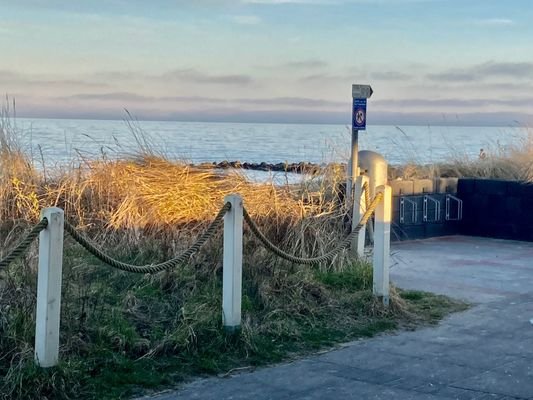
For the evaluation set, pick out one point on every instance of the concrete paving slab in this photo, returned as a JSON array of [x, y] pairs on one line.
[[301, 376], [364, 357], [484, 353], [470, 268], [230, 388], [435, 370], [514, 379], [362, 390], [465, 394]]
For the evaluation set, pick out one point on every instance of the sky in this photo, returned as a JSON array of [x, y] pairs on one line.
[[445, 62]]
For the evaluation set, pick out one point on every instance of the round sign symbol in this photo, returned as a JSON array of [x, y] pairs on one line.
[[360, 117]]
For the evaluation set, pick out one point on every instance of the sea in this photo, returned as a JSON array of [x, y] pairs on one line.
[[61, 141]]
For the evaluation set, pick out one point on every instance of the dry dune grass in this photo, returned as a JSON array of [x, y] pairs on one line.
[[513, 162], [146, 193], [18, 178], [510, 162], [153, 191]]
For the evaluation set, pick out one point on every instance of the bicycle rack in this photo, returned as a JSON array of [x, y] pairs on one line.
[[414, 208], [459, 215], [436, 202]]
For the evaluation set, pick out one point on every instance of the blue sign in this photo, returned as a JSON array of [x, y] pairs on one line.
[[359, 114]]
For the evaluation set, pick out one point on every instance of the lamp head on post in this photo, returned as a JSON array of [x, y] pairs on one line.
[[362, 91]]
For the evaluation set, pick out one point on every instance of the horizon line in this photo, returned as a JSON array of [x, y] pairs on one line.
[[348, 124]]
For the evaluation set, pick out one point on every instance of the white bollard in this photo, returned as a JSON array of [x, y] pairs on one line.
[[382, 244], [49, 288], [232, 265], [359, 208]]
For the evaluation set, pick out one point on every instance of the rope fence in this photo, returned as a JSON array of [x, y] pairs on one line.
[[151, 268], [320, 259], [232, 215], [24, 245]]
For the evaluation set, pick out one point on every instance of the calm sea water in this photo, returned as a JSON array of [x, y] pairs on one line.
[[60, 141]]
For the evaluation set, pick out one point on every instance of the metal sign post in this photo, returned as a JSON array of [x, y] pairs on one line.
[[359, 95]]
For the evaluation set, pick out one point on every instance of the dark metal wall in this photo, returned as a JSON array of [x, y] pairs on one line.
[[496, 208]]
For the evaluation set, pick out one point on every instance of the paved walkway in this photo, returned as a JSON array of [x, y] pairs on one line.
[[483, 353]]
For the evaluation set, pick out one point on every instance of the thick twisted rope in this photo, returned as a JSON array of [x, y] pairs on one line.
[[25, 244], [315, 260], [366, 191], [151, 268], [370, 227]]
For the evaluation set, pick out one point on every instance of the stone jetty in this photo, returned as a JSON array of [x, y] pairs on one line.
[[300, 167]]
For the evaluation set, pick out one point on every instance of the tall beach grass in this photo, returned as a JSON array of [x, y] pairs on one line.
[[513, 161]]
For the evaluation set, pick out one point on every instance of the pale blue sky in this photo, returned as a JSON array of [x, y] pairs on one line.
[[429, 61]]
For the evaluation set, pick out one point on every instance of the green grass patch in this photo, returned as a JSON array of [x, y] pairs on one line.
[[430, 307]]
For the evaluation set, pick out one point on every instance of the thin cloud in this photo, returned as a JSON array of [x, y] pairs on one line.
[[455, 102], [494, 22], [196, 76], [312, 63], [357, 74], [294, 102], [274, 2], [390, 76], [509, 69], [9, 77], [335, 2], [115, 96], [245, 19], [323, 78], [485, 71], [116, 75], [454, 76], [190, 75], [276, 102]]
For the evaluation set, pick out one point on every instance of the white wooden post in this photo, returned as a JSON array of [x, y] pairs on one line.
[[49, 288], [382, 244], [232, 265], [359, 208]]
